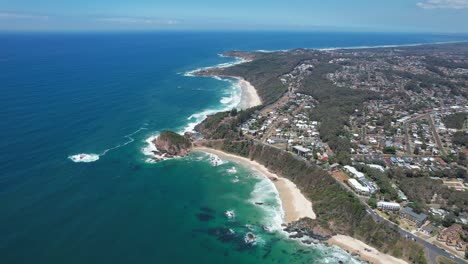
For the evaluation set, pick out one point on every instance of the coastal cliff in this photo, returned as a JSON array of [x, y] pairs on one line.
[[171, 144], [338, 212]]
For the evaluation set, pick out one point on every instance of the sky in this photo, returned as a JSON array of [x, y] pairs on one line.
[[449, 16]]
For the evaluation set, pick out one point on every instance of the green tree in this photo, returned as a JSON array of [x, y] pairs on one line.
[[416, 151], [234, 112], [389, 150]]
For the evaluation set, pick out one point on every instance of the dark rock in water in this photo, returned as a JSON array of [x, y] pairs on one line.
[[222, 234], [298, 235], [308, 227], [207, 210], [205, 217], [258, 203]]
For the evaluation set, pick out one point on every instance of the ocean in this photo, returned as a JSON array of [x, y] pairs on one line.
[[105, 94]]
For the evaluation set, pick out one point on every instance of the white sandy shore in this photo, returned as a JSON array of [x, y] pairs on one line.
[[295, 205], [364, 251], [249, 95]]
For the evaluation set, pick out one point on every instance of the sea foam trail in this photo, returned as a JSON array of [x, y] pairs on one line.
[[92, 157]]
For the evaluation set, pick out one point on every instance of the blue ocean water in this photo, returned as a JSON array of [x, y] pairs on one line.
[[106, 93]]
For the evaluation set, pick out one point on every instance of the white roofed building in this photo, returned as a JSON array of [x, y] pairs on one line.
[[357, 187], [355, 173], [388, 206]]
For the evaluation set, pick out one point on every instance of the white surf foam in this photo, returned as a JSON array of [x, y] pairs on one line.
[[215, 160], [226, 100], [231, 100], [221, 65], [232, 170], [150, 149], [83, 157], [265, 192], [230, 214], [92, 157]]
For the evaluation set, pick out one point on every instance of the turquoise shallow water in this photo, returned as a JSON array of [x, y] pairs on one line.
[[64, 94]]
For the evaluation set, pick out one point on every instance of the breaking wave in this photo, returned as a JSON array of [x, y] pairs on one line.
[[266, 194]]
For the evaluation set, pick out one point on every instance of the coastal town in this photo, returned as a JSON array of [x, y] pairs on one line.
[[385, 134], [401, 150]]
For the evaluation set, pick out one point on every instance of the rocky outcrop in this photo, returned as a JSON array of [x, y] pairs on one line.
[[308, 227], [171, 144]]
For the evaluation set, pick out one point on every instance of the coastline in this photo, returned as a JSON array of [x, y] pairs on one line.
[[364, 251], [249, 95], [294, 204], [369, 47]]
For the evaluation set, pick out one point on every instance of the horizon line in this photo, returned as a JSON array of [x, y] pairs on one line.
[[226, 31]]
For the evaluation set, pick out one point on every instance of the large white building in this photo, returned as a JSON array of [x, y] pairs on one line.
[[388, 206], [356, 186], [355, 173]]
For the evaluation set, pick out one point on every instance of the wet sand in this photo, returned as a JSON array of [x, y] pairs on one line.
[[295, 205]]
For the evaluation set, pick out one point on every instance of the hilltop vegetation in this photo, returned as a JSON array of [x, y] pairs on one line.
[[173, 144], [455, 121], [337, 210], [265, 71]]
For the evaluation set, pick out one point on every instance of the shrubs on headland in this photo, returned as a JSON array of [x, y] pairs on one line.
[[173, 144]]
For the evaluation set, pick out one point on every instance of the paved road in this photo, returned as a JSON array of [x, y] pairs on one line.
[[436, 135], [432, 251], [407, 143], [405, 128], [434, 132]]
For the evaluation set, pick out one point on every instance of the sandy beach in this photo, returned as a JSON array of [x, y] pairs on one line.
[[249, 96], [364, 251], [295, 205]]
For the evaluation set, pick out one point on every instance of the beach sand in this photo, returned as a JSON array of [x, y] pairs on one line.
[[249, 96], [295, 205], [364, 251]]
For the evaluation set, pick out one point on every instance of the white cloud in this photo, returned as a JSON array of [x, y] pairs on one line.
[[137, 21], [4, 15], [443, 4]]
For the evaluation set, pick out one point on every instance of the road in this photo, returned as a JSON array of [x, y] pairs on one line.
[[432, 251], [436, 136], [407, 143]]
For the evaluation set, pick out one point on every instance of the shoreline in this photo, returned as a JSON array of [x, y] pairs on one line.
[[368, 47], [249, 95], [364, 251], [294, 204]]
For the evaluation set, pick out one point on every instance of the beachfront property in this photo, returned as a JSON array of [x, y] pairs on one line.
[[301, 151], [361, 180], [415, 218], [354, 172], [358, 187], [388, 206]]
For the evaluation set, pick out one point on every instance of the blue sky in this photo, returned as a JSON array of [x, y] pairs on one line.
[[341, 15]]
